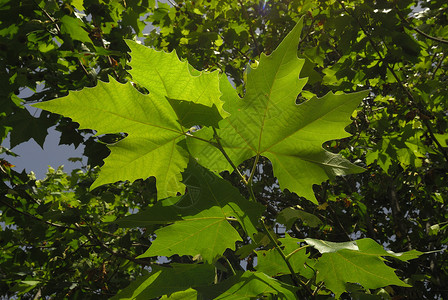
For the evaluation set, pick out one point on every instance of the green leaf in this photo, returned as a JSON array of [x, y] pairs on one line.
[[361, 264], [189, 294], [329, 247], [201, 217], [442, 139], [74, 27], [164, 75], [206, 236], [150, 149], [369, 246], [248, 285], [289, 215], [191, 114], [164, 281], [268, 122], [271, 263]]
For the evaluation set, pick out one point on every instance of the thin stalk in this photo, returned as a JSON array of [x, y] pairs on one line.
[[251, 177], [251, 30], [295, 251], [221, 148], [230, 265], [409, 25], [280, 251]]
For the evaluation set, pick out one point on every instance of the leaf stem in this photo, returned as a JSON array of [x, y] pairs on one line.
[[221, 148], [251, 177], [230, 265], [295, 251], [280, 251]]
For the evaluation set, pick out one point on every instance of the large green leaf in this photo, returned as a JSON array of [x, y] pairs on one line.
[[247, 285], [74, 28], [271, 262], [150, 149], [164, 281], [362, 264], [164, 75], [289, 215], [268, 122], [200, 218]]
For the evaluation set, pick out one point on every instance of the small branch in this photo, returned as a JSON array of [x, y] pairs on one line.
[[49, 17], [294, 277], [308, 32], [94, 238], [439, 64], [251, 177], [251, 31], [221, 148], [409, 25], [38, 219], [230, 265], [295, 251]]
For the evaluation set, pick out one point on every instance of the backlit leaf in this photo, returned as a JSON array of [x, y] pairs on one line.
[[268, 122], [248, 285], [150, 149], [163, 281], [200, 218]]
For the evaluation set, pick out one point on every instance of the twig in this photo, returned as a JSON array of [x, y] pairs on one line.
[[230, 265], [251, 31], [221, 148], [439, 64], [39, 219], [294, 277], [95, 238], [409, 25]]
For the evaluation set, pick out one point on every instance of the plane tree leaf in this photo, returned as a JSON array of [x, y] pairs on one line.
[[206, 237], [328, 247], [267, 122], [271, 263], [164, 75], [191, 114], [199, 219], [289, 215], [248, 285], [163, 281], [355, 262], [150, 149]]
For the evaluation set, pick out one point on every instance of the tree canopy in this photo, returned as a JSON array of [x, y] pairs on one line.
[[236, 149]]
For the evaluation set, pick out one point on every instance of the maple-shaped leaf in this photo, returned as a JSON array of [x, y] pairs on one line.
[[163, 281], [248, 285], [355, 262], [200, 219], [272, 263], [267, 122], [289, 215], [164, 75], [150, 148]]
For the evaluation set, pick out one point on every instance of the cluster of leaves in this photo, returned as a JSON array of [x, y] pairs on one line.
[[189, 118], [395, 49], [57, 239]]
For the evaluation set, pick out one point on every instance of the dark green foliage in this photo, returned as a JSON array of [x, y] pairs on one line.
[[56, 240]]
